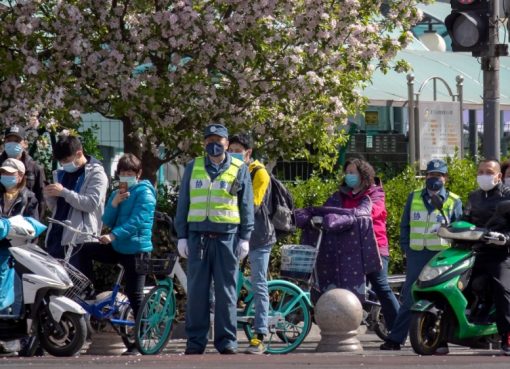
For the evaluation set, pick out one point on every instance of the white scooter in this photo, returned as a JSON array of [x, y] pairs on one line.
[[37, 307]]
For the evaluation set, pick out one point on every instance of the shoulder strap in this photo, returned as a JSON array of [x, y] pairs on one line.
[[255, 170]]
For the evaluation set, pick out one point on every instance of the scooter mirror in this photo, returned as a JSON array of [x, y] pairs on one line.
[[503, 208]]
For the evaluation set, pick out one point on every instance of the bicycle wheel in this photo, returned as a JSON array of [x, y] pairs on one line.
[[127, 333], [289, 319], [154, 320]]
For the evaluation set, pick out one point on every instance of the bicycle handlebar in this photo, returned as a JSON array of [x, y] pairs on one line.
[[71, 228]]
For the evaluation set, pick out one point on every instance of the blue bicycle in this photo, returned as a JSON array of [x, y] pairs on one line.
[[108, 308]]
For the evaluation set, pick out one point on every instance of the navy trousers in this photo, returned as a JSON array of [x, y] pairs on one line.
[[212, 258]]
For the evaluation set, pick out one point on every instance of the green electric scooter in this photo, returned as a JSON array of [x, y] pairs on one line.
[[451, 304]]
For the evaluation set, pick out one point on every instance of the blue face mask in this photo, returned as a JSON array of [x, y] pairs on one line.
[[237, 155], [352, 180], [13, 149], [70, 167], [215, 149], [130, 180], [8, 181]]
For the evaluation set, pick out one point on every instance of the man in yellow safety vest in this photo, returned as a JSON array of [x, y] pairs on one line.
[[214, 222], [419, 241]]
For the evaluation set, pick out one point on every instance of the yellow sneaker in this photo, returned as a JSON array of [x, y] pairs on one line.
[[256, 347]]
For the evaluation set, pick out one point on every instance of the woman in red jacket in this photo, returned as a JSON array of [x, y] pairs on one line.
[[359, 182]]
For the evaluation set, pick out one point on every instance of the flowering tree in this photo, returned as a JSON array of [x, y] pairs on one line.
[[289, 71]]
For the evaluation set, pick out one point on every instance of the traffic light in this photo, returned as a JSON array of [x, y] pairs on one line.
[[468, 25]]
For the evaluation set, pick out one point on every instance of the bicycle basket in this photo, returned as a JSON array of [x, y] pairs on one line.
[[297, 261], [80, 281], [161, 267]]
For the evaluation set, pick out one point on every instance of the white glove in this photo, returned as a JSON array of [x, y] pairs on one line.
[[495, 238], [243, 247], [21, 228], [182, 247]]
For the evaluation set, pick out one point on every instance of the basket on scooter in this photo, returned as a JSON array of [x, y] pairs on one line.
[[297, 261], [80, 281]]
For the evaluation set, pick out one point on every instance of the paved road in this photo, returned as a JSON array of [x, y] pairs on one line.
[[303, 358]]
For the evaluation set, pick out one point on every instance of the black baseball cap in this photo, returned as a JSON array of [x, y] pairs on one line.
[[15, 131]]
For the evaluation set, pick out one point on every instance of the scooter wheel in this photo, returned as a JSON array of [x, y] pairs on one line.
[[69, 340], [426, 333]]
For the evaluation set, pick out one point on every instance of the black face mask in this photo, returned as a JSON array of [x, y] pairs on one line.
[[215, 149], [434, 184]]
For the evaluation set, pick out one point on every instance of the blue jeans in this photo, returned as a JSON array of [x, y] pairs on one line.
[[259, 261], [389, 303], [416, 260]]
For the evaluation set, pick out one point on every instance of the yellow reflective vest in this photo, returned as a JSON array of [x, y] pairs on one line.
[[212, 199], [424, 225]]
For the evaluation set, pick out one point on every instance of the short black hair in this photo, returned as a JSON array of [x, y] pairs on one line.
[[242, 139], [491, 160], [129, 162], [66, 146]]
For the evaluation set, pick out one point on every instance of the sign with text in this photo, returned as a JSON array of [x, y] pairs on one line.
[[440, 130]]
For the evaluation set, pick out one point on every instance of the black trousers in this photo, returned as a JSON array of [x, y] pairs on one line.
[[497, 265], [106, 254]]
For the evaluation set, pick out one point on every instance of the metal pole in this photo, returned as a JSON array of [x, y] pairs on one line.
[[504, 141], [460, 97], [490, 67], [410, 105], [473, 135]]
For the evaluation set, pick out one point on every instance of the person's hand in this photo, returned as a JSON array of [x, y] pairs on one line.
[[53, 190], [106, 238], [495, 238], [182, 247], [119, 197], [243, 247]]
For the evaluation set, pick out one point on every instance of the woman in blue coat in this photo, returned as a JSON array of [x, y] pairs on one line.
[[129, 214]]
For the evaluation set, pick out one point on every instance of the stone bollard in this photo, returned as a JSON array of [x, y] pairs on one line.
[[338, 314]]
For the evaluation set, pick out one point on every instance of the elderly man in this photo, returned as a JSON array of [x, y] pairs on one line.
[[214, 222]]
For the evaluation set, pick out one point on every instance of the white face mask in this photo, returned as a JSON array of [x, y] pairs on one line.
[[507, 181], [486, 182]]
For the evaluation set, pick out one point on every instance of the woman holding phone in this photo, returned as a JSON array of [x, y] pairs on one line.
[[129, 214]]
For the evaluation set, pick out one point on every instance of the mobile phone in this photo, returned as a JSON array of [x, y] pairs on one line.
[[123, 187]]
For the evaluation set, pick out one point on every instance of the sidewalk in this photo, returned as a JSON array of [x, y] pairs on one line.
[[369, 341]]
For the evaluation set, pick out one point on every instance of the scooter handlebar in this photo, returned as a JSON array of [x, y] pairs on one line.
[[67, 224]]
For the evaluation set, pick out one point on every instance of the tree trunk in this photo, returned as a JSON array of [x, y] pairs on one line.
[[150, 162]]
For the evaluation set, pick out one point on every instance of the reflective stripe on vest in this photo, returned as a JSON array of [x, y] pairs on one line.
[[424, 226], [211, 199]]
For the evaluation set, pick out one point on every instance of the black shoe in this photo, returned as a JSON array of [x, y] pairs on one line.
[[132, 351], [505, 344], [390, 346], [189, 351], [228, 351]]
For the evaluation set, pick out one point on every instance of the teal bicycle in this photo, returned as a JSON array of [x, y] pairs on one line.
[[289, 316], [289, 309]]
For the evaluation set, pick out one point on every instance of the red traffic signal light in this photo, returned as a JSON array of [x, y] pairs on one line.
[[468, 25]]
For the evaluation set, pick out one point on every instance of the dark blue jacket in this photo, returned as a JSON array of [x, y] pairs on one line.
[[244, 196], [131, 221]]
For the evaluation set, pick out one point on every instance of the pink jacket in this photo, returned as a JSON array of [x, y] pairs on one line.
[[379, 214]]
